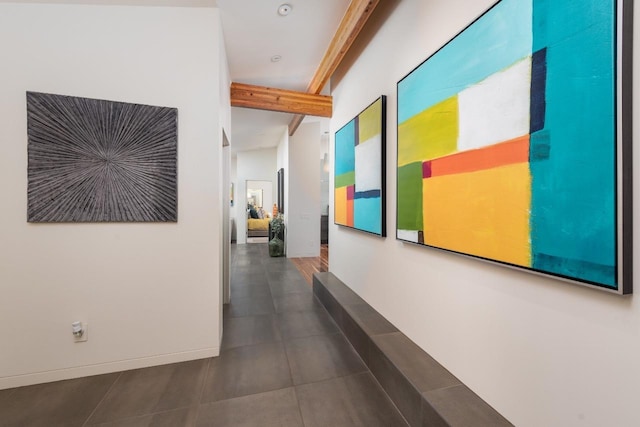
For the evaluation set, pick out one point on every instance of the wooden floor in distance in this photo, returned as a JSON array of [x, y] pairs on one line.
[[308, 266]]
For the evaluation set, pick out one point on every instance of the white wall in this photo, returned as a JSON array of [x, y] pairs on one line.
[[303, 206], [324, 173], [256, 165], [150, 292], [542, 352]]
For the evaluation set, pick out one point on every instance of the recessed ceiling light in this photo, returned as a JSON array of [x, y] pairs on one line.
[[284, 9], [276, 58]]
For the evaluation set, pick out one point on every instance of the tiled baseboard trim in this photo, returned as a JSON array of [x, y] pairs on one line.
[[422, 389]]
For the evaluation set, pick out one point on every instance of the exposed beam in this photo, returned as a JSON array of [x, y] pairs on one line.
[[285, 101], [354, 19], [295, 122]]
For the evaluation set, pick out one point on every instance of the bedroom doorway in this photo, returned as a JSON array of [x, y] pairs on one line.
[[259, 204]]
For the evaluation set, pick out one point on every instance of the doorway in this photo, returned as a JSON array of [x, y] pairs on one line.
[[259, 202]]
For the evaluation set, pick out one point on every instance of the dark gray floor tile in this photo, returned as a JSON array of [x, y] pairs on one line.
[[299, 301], [289, 286], [244, 262], [61, 403], [150, 390], [459, 406], [355, 400], [247, 370], [4, 396], [255, 268], [240, 331], [284, 275], [252, 248], [424, 372], [250, 306], [249, 289], [322, 357], [184, 417], [305, 323], [258, 278], [274, 408], [273, 265], [252, 258]]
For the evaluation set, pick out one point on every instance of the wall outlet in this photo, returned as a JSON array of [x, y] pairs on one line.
[[85, 334]]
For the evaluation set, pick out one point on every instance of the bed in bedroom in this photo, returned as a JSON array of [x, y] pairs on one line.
[[257, 222], [257, 227]]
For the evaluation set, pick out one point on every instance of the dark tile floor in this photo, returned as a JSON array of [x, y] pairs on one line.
[[283, 363]]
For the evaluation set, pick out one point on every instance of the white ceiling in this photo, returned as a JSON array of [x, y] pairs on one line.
[[171, 3], [254, 32]]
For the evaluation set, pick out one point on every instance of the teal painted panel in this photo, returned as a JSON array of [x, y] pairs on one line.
[[345, 158], [573, 218], [500, 38], [367, 214]]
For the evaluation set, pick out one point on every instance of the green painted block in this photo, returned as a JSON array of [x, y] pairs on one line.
[[345, 179], [410, 197]]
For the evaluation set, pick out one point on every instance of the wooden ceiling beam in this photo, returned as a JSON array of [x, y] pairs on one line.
[[353, 21], [282, 100]]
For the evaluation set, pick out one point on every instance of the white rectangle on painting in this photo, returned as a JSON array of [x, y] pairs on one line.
[[496, 109], [408, 235], [368, 173]]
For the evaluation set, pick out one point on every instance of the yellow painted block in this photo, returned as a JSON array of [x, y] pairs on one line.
[[430, 134], [484, 213], [341, 205], [369, 122]]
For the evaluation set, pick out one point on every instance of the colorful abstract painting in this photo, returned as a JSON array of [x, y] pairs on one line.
[[509, 142], [359, 196]]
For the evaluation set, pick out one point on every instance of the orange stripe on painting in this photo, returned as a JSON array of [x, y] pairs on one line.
[[341, 205], [505, 153], [350, 213]]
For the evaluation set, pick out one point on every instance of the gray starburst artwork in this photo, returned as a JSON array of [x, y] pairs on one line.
[[92, 160]]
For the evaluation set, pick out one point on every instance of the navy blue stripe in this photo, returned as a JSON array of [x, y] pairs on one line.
[[538, 90], [371, 194]]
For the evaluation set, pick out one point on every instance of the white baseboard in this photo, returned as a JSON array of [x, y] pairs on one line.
[[105, 368]]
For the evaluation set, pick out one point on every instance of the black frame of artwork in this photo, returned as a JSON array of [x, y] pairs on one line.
[[281, 190]]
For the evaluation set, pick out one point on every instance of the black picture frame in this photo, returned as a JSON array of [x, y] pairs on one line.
[[281, 190]]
